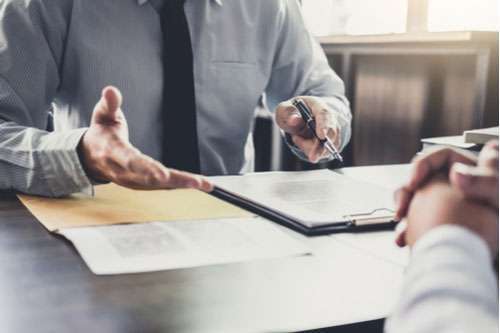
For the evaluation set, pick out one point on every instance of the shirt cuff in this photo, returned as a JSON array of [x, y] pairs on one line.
[[342, 115], [62, 169], [457, 236]]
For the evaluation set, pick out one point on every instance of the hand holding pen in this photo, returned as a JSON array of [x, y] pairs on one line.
[[311, 126], [308, 118]]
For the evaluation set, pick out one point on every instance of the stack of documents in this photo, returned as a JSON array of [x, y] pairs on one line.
[[126, 231], [154, 246], [115, 231]]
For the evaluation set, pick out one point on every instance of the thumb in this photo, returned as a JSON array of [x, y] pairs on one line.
[[108, 107], [488, 157], [476, 183], [289, 120], [401, 233]]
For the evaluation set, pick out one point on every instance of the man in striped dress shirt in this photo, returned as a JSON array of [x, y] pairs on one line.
[[140, 88]]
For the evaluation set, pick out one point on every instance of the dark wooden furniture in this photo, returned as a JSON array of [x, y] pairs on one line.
[[407, 86], [46, 287]]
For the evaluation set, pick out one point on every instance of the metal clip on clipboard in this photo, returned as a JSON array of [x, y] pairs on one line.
[[375, 217]]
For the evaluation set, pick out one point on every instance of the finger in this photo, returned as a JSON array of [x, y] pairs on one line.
[[334, 135], [289, 119], [322, 117], [143, 172], [493, 144], [427, 165], [318, 153], [180, 179], [306, 145], [206, 185], [476, 183], [326, 123], [113, 98], [488, 157], [107, 109], [403, 197], [323, 153], [311, 147], [401, 233], [160, 177]]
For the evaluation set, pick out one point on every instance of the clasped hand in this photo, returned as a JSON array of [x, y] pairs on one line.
[[449, 186]]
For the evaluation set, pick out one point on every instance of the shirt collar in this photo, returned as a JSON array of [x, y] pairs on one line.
[[142, 2]]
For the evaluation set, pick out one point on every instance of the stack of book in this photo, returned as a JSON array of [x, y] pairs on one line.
[[481, 136], [472, 140]]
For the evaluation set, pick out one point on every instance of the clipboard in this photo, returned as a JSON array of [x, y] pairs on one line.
[[371, 221], [232, 190]]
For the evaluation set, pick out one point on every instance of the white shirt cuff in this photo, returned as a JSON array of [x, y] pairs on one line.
[[457, 235], [62, 169]]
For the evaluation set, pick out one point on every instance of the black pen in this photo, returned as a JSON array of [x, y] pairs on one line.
[[311, 123]]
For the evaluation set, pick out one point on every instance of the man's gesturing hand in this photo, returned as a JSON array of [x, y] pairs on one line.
[[107, 155], [290, 121]]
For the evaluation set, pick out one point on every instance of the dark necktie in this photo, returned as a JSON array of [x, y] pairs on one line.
[[180, 139]]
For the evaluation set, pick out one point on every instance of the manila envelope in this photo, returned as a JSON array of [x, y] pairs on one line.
[[113, 204]]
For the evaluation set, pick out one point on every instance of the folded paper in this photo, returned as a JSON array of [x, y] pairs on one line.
[[113, 204]]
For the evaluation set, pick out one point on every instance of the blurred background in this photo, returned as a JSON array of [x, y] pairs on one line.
[[412, 69], [362, 17]]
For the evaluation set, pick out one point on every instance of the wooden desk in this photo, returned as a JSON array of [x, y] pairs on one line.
[[46, 287]]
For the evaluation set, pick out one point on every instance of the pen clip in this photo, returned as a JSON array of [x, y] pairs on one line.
[[306, 115], [303, 109]]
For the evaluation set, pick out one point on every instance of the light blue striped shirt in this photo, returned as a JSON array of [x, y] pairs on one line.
[[450, 285], [59, 54]]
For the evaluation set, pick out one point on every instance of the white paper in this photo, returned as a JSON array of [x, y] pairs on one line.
[[355, 287], [134, 248], [381, 245], [390, 177], [314, 197]]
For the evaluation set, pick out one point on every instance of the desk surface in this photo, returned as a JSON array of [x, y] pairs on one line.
[[46, 287]]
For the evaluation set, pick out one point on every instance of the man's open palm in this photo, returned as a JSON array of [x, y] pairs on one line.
[[107, 154]]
